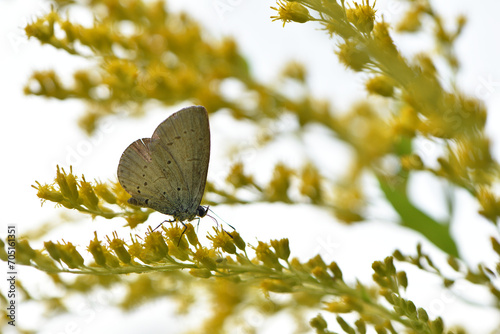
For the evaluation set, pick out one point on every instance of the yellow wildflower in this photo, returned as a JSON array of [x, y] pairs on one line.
[[362, 16], [291, 11]]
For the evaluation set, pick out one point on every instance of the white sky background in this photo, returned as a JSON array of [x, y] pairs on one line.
[[39, 133]]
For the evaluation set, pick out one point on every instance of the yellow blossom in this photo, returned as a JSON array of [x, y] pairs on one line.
[[380, 85], [155, 246], [274, 285], [206, 258], [311, 184], [223, 240], [291, 11], [88, 196], [117, 245], [96, 249], [353, 55], [282, 248], [279, 185], [267, 256], [362, 16], [490, 204]]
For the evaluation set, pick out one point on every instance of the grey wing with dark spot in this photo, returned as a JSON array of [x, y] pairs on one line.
[[137, 174], [181, 147]]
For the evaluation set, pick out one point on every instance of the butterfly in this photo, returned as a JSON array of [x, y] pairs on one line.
[[168, 171]]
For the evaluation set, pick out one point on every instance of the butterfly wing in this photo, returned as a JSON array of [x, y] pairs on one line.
[[137, 174], [180, 147]]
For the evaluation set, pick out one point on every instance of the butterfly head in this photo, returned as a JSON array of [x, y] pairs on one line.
[[202, 211]]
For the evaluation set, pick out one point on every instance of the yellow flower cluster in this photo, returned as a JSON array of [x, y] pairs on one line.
[[169, 58], [94, 199]]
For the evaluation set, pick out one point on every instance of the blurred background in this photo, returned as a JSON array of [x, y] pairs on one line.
[[38, 134]]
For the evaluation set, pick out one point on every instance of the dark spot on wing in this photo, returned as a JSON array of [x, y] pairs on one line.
[[147, 201], [145, 183], [178, 137]]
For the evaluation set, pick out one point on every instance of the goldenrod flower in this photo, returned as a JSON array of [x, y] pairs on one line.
[[407, 122], [412, 21], [402, 279], [102, 190], [322, 275], [384, 40], [206, 258], [335, 269], [362, 16], [137, 217], [316, 261], [319, 323], [88, 196], [201, 273], [266, 256], [495, 244], [117, 245], [47, 192], [24, 252], [222, 240], [295, 70], [155, 246], [136, 250], [353, 55], [291, 11], [53, 250], [490, 204], [274, 285], [68, 185], [70, 255], [282, 248], [44, 262], [238, 240], [96, 249], [311, 184], [344, 305], [111, 260], [380, 85], [191, 234], [279, 185], [237, 176]]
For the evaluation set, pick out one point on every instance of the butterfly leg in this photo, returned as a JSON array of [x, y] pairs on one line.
[[183, 231], [163, 222]]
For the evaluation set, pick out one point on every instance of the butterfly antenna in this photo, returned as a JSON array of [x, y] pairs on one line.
[[225, 222]]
